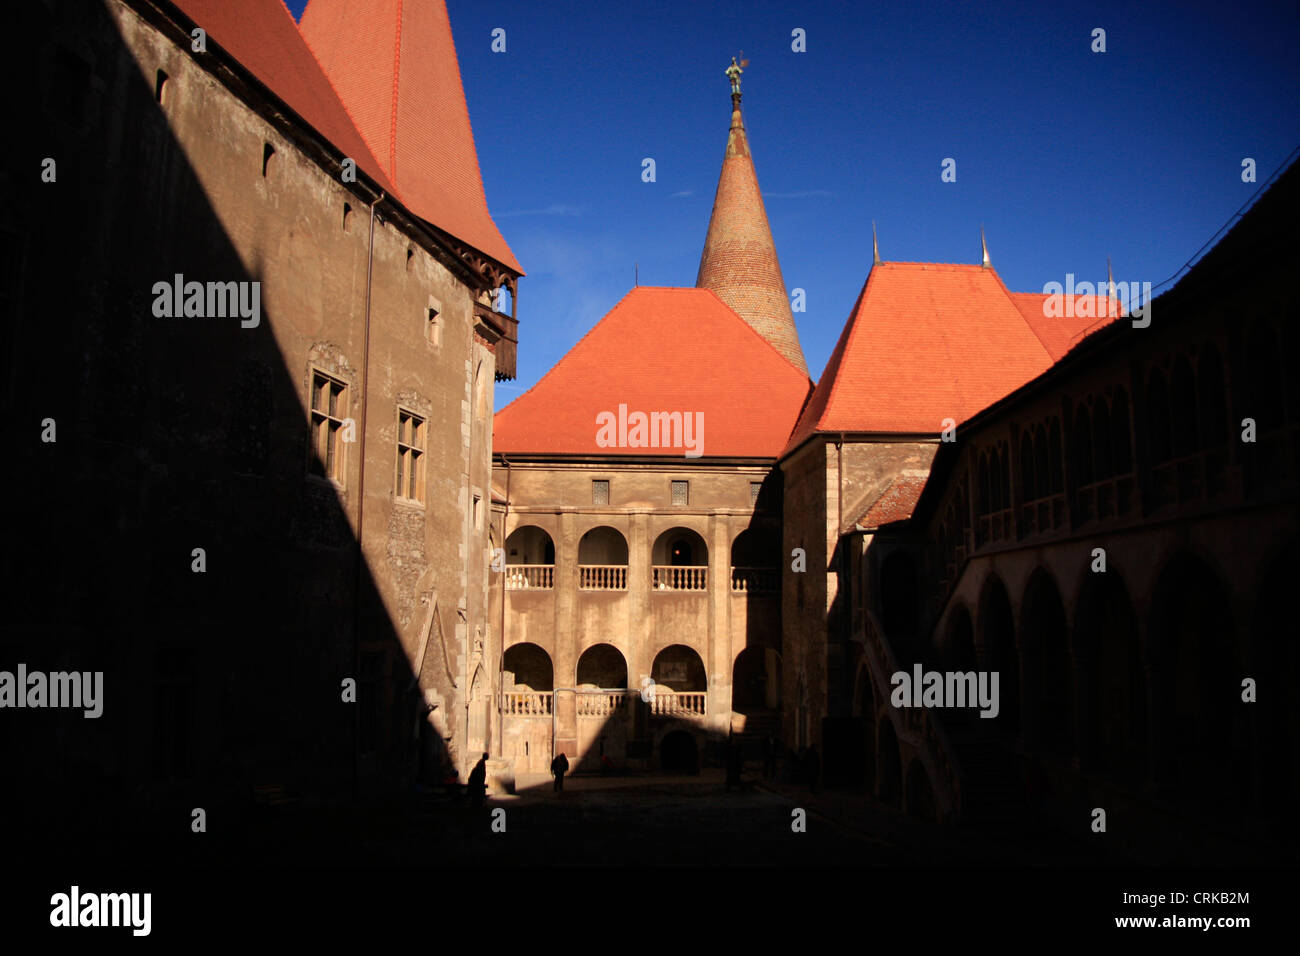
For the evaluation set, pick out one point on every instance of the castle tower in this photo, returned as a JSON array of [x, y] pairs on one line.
[[739, 261]]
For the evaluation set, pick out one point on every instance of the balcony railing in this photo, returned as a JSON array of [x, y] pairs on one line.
[[603, 704], [678, 578], [755, 580], [602, 577], [528, 577], [526, 703], [683, 704], [1042, 514], [1104, 499]]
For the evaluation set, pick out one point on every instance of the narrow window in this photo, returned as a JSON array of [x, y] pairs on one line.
[[600, 492], [329, 410], [410, 257], [478, 513], [347, 215], [160, 88], [433, 322], [681, 492], [410, 456], [268, 151]]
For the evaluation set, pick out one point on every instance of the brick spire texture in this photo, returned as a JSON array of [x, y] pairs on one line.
[[739, 261]]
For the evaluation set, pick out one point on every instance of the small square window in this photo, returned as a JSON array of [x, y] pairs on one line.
[[681, 492], [600, 492], [410, 456]]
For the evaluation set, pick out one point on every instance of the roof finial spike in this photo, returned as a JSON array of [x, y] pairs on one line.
[[1110, 280], [984, 246], [875, 246]]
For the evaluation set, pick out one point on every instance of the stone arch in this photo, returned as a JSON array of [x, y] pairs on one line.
[[1202, 725], [756, 548], [603, 666], [996, 638], [1049, 693], [679, 668], [756, 680], [680, 547], [1112, 723], [529, 544], [602, 545], [531, 666]]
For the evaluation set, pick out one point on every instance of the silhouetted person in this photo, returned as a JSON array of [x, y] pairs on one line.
[[477, 786], [559, 767], [769, 757]]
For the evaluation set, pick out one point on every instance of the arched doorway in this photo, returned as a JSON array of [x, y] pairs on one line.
[[679, 561], [678, 753], [530, 559], [756, 681]]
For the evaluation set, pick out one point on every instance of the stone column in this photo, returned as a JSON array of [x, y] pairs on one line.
[[566, 639]]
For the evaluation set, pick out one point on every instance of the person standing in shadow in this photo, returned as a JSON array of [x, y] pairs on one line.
[[559, 767], [477, 786]]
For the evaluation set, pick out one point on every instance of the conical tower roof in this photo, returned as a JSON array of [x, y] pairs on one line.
[[739, 261]]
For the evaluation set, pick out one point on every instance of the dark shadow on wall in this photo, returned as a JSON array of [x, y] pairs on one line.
[[222, 690]]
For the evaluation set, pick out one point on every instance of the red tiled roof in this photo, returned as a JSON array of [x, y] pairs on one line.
[[1060, 333], [925, 342], [262, 36], [896, 502], [739, 260], [394, 65], [661, 350]]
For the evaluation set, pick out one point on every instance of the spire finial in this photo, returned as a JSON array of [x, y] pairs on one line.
[[1110, 280], [733, 74], [875, 246], [984, 247]]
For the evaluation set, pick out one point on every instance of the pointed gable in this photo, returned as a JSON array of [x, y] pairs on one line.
[[394, 65], [262, 36], [925, 342], [658, 350], [739, 260]]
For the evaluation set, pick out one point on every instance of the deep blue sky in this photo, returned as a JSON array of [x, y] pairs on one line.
[[1063, 154]]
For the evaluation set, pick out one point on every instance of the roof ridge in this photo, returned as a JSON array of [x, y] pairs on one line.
[[1051, 359], [753, 331]]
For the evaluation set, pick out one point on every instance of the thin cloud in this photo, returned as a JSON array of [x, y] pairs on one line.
[[684, 192]]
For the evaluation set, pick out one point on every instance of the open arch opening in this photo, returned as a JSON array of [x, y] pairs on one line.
[[603, 666], [531, 666], [602, 560], [1115, 707], [680, 669], [756, 561], [530, 559], [756, 681], [679, 561]]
